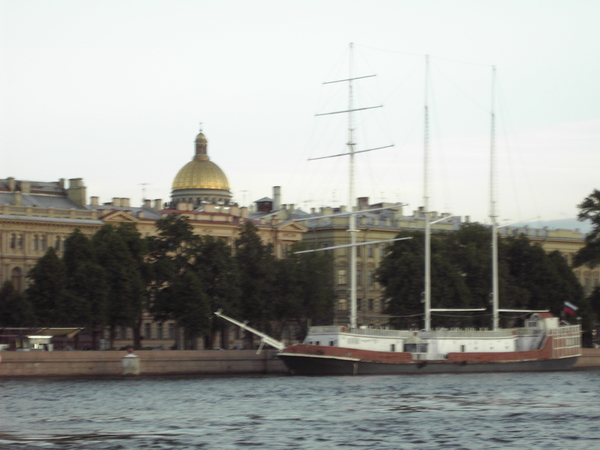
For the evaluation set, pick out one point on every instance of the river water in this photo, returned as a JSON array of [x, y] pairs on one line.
[[498, 411]]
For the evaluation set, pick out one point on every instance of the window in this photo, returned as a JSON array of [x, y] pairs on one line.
[[371, 278], [381, 250], [17, 278], [341, 276], [43, 243], [392, 347], [123, 333], [371, 304], [57, 243], [342, 304], [359, 304], [159, 331], [359, 277], [357, 250], [370, 250], [147, 331], [13, 241], [20, 241], [35, 242], [171, 331]]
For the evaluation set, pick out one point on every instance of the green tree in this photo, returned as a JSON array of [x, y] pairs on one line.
[[185, 301], [589, 209], [303, 290], [255, 262], [171, 259], [402, 274], [215, 266], [46, 291], [125, 285], [86, 288], [15, 308]]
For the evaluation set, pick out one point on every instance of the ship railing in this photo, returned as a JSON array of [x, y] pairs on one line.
[[475, 334], [361, 332], [566, 341]]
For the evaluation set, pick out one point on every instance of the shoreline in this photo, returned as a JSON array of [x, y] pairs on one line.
[[167, 363]]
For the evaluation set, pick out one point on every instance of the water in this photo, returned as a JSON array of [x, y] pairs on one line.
[[499, 411]]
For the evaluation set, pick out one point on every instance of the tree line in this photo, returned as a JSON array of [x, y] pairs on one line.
[[461, 267], [109, 280]]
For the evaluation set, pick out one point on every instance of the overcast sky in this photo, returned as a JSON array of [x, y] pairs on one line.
[[114, 92]]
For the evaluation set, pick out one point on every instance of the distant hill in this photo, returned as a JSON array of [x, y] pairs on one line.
[[564, 224]]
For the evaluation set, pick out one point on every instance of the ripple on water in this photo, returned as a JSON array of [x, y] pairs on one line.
[[497, 411]]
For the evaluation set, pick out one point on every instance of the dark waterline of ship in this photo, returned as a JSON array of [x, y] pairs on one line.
[[497, 411]]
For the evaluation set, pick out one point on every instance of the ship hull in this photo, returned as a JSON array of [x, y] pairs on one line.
[[329, 361]]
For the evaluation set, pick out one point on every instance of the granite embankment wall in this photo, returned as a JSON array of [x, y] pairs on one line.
[[108, 363], [590, 359], [171, 362]]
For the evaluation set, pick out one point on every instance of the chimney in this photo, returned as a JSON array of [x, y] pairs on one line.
[[76, 191], [61, 183], [26, 187], [147, 204], [276, 198], [125, 202], [95, 201], [363, 203], [11, 184], [18, 199], [158, 204], [116, 202]]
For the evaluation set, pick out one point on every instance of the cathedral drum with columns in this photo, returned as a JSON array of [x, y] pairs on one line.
[[201, 180]]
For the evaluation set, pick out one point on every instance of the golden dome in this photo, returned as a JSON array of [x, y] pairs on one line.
[[200, 173]]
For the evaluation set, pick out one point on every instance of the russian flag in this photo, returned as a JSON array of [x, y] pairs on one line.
[[570, 308]]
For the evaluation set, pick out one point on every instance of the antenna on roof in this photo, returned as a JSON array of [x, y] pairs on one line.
[[143, 191]]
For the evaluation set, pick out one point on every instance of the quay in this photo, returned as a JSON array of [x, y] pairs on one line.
[[66, 364]]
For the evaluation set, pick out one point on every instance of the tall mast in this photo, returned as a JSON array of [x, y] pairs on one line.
[[352, 219], [493, 216], [427, 294], [351, 153]]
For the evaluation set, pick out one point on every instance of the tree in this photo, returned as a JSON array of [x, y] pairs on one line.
[[170, 265], [184, 301], [46, 290], [15, 308], [255, 262], [86, 288], [126, 289], [589, 209], [303, 290], [213, 263], [402, 274]]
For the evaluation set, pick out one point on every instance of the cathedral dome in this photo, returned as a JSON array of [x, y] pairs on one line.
[[200, 174], [201, 180]]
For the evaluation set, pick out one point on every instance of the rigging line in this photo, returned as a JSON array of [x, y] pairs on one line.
[[527, 179], [423, 54], [440, 150], [453, 84]]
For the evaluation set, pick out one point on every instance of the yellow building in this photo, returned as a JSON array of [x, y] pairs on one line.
[[36, 215]]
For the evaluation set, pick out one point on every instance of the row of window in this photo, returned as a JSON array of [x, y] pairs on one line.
[[343, 279], [158, 331], [38, 242], [371, 304]]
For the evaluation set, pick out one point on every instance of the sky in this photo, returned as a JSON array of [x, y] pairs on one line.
[[115, 93]]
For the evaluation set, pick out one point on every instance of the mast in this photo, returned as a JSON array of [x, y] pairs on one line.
[[352, 219], [351, 153], [427, 293], [493, 216]]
